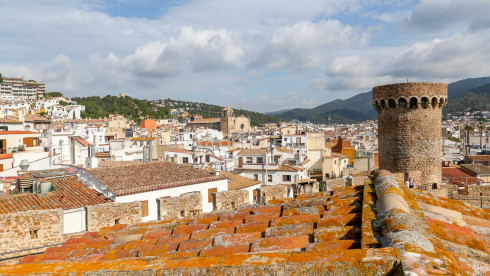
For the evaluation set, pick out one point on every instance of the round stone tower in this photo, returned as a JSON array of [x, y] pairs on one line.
[[409, 128]]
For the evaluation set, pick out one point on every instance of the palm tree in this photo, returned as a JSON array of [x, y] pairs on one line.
[[481, 126], [467, 128]]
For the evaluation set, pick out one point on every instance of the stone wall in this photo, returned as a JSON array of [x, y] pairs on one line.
[[473, 195], [180, 206], [409, 127], [108, 214], [343, 182], [269, 192], [230, 199], [335, 183], [29, 229]]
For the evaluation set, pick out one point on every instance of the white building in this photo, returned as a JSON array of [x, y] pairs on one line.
[[147, 182]]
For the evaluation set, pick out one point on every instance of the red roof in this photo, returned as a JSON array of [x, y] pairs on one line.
[[68, 193], [456, 175], [17, 132], [81, 141]]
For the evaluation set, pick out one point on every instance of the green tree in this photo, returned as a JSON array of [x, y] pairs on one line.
[[481, 126], [1, 79], [468, 129]]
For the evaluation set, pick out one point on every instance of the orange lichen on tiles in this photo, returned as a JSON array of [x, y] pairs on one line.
[[208, 233], [303, 211], [195, 244], [280, 201], [237, 239], [337, 233], [255, 259], [280, 243], [251, 227], [261, 217], [153, 250], [234, 215], [345, 210], [290, 230], [328, 246], [156, 234], [225, 224], [268, 209], [457, 234], [206, 219], [299, 219], [173, 239], [188, 229], [225, 250], [340, 221]]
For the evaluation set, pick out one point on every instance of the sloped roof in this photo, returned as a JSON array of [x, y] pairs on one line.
[[297, 236], [238, 182], [206, 121], [146, 177], [253, 152], [68, 193], [82, 141]]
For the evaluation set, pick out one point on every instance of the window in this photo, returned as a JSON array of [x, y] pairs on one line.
[[208, 158], [335, 161], [182, 213], [249, 160], [34, 234], [256, 177], [116, 221], [286, 178], [185, 160], [210, 194], [260, 160], [269, 178], [255, 196], [144, 208]]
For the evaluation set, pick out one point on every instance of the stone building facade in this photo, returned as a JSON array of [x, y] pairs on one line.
[[106, 215], [271, 192], [230, 124], [409, 127], [29, 229], [180, 206], [230, 199]]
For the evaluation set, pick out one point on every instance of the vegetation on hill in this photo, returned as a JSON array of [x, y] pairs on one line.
[[137, 110], [476, 99], [213, 111], [54, 94], [97, 107]]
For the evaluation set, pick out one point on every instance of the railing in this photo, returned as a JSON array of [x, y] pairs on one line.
[[481, 199]]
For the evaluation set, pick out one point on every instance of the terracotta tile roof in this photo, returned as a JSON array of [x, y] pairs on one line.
[[253, 152], [312, 234], [284, 150], [68, 193], [206, 121], [102, 154], [35, 118], [146, 177], [456, 175], [6, 156], [10, 132], [478, 157], [476, 169], [238, 182], [103, 164], [82, 141]]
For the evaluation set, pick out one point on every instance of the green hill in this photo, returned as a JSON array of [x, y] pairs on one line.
[[476, 99], [137, 110]]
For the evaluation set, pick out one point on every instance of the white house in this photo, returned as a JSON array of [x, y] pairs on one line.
[[146, 182]]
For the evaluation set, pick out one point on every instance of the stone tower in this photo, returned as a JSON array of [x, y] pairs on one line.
[[226, 120], [409, 128]]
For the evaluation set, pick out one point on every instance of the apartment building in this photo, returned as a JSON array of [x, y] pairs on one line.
[[19, 88]]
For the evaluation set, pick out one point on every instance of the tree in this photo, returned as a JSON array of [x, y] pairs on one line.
[[1, 79], [481, 126], [467, 128]]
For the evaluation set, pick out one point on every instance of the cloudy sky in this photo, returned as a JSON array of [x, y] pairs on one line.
[[262, 55]]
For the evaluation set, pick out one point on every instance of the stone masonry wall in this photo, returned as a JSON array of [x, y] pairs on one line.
[[105, 215], [410, 137], [474, 195], [30, 229], [230, 199], [270, 192], [180, 206]]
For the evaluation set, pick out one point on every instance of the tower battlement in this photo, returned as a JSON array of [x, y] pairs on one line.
[[409, 127], [409, 95]]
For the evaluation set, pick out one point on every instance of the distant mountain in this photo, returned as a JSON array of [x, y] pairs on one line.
[[456, 88], [359, 107], [278, 111]]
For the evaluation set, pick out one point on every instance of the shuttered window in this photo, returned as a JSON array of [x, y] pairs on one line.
[[210, 194], [144, 208]]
